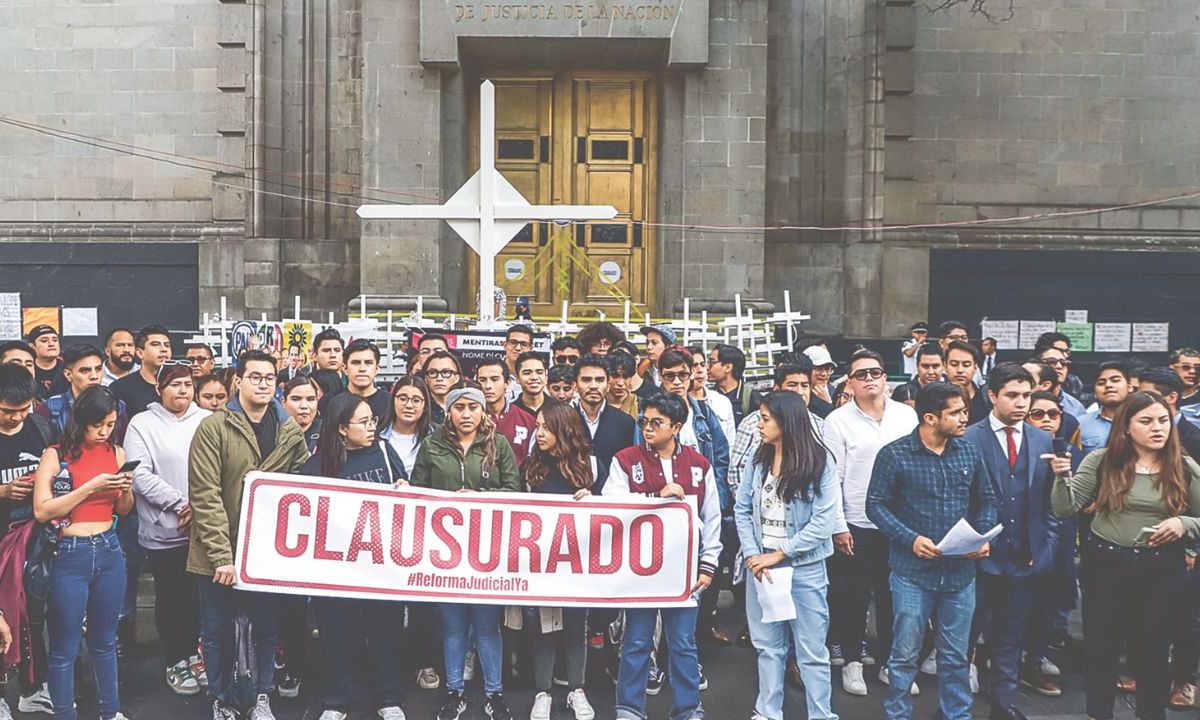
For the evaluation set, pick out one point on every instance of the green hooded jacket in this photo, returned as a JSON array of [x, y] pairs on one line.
[[438, 466]]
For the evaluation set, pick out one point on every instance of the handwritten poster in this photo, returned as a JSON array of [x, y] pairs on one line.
[[1079, 333], [10, 316], [1006, 333], [1075, 317], [1151, 337], [1031, 330], [1112, 337]]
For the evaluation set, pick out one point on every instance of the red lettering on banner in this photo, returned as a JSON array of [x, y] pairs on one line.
[[320, 551], [564, 530], [595, 567], [418, 549], [518, 540], [281, 525], [475, 523], [454, 554], [368, 523], [635, 545]]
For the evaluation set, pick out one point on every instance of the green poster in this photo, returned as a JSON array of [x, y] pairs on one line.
[[1080, 334]]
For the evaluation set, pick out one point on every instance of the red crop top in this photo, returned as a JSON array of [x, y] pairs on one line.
[[93, 461]]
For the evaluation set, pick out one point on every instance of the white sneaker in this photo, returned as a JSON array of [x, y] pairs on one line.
[[220, 712], [852, 679], [427, 679], [578, 702], [5, 713], [391, 712], [38, 702], [974, 678], [541, 707], [1046, 667], [469, 666], [332, 715], [262, 709], [119, 716], [929, 667], [886, 680]]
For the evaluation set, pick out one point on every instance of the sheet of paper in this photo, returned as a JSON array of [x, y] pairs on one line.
[[775, 597], [1112, 337], [1031, 330], [10, 316], [1005, 332], [1151, 337], [79, 321], [1080, 335], [31, 317], [963, 540], [1075, 317]]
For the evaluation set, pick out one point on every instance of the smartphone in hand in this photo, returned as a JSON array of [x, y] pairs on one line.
[[128, 467]]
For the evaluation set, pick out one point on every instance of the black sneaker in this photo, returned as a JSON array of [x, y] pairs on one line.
[[655, 682], [453, 707], [496, 708], [703, 680]]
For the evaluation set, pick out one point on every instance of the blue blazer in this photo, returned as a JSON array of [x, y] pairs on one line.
[[1042, 523]]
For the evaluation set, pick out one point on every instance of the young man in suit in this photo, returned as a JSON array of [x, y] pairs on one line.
[[609, 429], [1012, 452]]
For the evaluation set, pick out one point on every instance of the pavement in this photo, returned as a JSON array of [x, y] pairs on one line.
[[731, 672]]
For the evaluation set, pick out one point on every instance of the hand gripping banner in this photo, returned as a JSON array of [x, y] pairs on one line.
[[336, 538]]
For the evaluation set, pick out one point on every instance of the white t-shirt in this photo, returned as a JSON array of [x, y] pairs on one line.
[[687, 434], [910, 363], [406, 447], [773, 513]]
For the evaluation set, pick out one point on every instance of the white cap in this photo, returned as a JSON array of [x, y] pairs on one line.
[[820, 356]]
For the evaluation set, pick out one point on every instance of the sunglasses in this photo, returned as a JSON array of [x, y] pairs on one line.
[[873, 373], [1057, 362], [655, 423], [674, 377], [566, 359], [173, 362], [1053, 414]]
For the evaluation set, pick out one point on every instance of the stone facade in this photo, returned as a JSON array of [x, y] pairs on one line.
[[845, 114]]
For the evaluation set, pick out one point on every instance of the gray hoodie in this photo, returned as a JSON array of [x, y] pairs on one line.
[[161, 442]]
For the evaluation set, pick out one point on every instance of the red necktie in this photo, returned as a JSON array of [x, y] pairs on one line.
[[1012, 448]]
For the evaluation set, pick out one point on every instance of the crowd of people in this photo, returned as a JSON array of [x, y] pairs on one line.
[[127, 457]]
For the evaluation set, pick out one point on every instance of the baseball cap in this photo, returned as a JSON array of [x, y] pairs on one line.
[[820, 356], [666, 331], [39, 331]]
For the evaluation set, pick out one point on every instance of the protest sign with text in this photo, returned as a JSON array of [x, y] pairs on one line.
[[316, 536]]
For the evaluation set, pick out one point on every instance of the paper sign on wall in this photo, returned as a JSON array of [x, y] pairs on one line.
[[1031, 330], [31, 317], [10, 316], [1112, 337], [1075, 317], [1151, 337], [80, 321], [1006, 333], [1080, 335]]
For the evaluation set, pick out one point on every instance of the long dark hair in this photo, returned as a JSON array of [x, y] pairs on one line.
[[1117, 466], [804, 456], [573, 452], [426, 420], [331, 448], [91, 408]]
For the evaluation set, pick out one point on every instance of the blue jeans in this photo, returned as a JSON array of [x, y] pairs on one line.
[[913, 606], [485, 620], [810, 585], [87, 580], [683, 663], [219, 608]]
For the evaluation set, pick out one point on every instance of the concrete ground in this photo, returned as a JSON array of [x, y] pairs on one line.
[[731, 671]]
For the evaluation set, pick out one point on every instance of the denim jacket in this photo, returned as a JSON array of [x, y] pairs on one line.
[[809, 522]]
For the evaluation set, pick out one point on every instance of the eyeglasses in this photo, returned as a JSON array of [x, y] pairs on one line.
[[653, 423], [260, 380], [1057, 362], [1052, 413], [959, 338], [519, 344], [410, 399], [435, 374], [566, 359], [368, 423], [172, 362], [674, 377], [873, 373]]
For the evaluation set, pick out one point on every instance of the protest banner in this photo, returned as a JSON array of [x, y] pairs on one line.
[[337, 538], [473, 346]]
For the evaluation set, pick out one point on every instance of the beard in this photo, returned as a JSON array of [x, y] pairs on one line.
[[124, 363]]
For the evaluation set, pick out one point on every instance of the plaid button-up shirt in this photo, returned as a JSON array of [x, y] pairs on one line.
[[916, 492]]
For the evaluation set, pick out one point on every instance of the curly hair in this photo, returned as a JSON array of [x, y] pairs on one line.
[[571, 455]]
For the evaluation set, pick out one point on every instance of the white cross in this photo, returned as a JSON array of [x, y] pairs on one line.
[[487, 211]]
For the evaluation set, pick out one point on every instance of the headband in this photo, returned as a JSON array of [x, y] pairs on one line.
[[468, 393]]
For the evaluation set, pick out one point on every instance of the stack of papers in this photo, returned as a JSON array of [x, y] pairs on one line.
[[963, 540]]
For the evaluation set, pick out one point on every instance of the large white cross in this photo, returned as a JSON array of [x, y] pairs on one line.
[[487, 211]]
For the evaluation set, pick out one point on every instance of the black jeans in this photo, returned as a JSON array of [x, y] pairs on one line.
[[1185, 657], [291, 625], [34, 663], [345, 625], [852, 580], [1139, 592], [176, 603], [424, 641]]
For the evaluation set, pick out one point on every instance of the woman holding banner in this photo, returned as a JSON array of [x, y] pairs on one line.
[[562, 464], [466, 454], [785, 513], [349, 450]]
